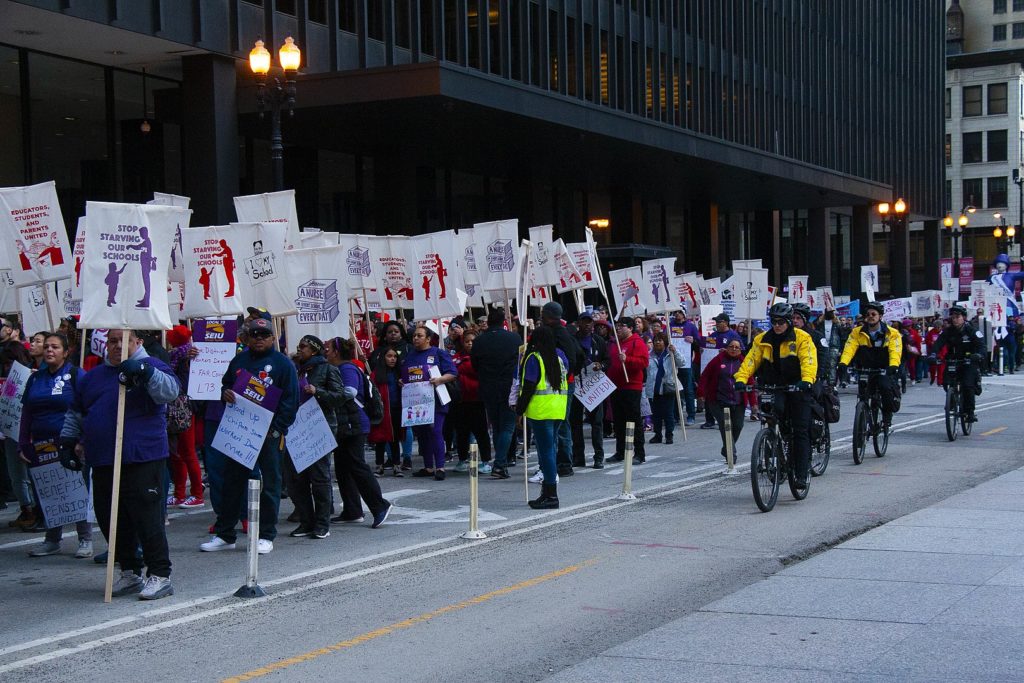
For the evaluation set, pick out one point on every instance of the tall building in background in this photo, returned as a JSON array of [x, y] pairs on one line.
[[984, 109], [721, 129]]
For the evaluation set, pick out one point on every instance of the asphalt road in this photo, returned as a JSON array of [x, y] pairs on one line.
[[412, 601]]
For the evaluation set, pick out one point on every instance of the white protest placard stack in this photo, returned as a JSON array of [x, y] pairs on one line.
[[797, 289], [627, 290], [496, 247], [310, 437], [10, 400], [271, 207], [436, 279], [33, 234], [320, 293], [657, 276], [125, 276], [869, 281]]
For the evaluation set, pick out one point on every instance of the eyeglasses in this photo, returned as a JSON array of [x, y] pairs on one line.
[[733, 348], [260, 335], [779, 321]]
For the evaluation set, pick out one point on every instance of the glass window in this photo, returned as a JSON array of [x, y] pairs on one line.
[[285, 7], [972, 100], [972, 148], [403, 37], [997, 98], [949, 196], [1018, 5], [949, 104], [999, 6], [347, 15], [996, 145], [12, 161], [996, 192], [317, 11], [949, 149], [1018, 30], [999, 32], [972, 191]]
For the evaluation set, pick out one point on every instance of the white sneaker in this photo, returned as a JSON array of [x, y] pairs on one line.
[[129, 583], [156, 587], [216, 543], [484, 468], [537, 478], [84, 550], [746, 413], [264, 546]]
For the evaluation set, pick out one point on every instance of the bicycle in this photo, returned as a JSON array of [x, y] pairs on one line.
[[955, 416], [821, 447], [769, 457], [866, 418]]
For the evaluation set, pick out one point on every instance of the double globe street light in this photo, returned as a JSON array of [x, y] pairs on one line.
[[275, 95], [956, 228]]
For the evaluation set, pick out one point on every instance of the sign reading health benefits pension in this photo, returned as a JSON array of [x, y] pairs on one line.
[[32, 230], [125, 278]]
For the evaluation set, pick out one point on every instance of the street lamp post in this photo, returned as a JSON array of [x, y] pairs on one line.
[[894, 216], [956, 228], [1003, 229], [275, 95]]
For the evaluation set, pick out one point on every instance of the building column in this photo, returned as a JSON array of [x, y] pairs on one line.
[[932, 253], [767, 243], [899, 251], [701, 240], [819, 248], [860, 243], [210, 132]]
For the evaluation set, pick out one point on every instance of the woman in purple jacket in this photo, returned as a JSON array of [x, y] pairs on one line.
[[416, 367]]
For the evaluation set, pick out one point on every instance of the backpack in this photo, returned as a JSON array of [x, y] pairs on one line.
[[373, 403]]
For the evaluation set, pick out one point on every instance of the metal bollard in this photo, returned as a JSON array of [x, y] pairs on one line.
[[474, 484], [730, 454], [627, 482], [251, 589]]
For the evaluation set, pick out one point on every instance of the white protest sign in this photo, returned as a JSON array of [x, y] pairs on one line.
[[207, 369], [749, 264], [271, 207], [417, 404], [78, 252], [65, 303], [950, 289], [627, 291], [32, 304], [896, 309], [436, 279], [657, 276], [358, 261], [98, 342], [543, 255], [177, 264], [211, 271], [708, 313], [33, 234], [979, 288], [10, 400], [569, 276], [496, 250], [62, 494], [320, 293], [751, 293], [8, 292], [688, 291], [310, 437], [242, 430], [592, 388], [813, 300], [869, 281], [995, 307], [797, 289], [710, 291], [391, 266], [125, 278], [685, 350], [923, 303], [583, 260]]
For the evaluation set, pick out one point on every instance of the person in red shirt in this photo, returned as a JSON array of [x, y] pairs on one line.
[[628, 358], [472, 417], [935, 370]]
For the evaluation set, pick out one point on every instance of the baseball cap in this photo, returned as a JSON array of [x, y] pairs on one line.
[[258, 313], [587, 313], [721, 317], [259, 327]]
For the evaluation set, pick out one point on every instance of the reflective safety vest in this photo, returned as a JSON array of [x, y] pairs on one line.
[[547, 403]]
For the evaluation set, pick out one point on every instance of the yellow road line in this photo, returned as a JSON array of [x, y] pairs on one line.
[[404, 624], [993, 431]]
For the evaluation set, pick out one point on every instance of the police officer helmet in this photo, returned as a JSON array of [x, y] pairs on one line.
[[781, 310], [875, 306], [803, 310]]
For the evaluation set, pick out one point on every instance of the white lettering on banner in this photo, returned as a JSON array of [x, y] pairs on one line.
[[207, 369], [592, 388], [62, 494], [242, 431], [10, 400], [417, 404], [310, 437]]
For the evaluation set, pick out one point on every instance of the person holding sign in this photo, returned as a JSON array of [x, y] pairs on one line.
[[630, 357], [661, 387], [48, 395], [88, 432], [268, 368], [596, 350], [426, 363], [310, 489], [11, 352]]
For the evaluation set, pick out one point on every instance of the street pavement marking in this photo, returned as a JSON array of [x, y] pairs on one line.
[[405, 623], [994, 431], [578, 512]]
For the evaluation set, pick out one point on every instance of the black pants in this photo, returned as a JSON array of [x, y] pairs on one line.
[[577, 416], [355, 478], [663, 409], [473, 420], [140, 515], [797, 406], [970, 382], [736, 416], [626, 408], [236, 492], [887, 389], [310, 491]]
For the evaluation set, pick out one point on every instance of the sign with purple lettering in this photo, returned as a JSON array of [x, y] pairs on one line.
[[258, 388], [211, 330]]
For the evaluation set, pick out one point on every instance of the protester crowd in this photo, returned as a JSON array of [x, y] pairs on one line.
[[490, 375]]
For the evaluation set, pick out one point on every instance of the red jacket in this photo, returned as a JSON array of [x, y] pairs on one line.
[[637, 358], [382, 432], [469, 381]]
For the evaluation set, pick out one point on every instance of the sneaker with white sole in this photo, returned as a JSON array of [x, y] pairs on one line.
[[381, 517], [84, 550], [191, 502], [156, 587], [537, 478], [216, 543], [484, 468], [45, 548], [129, 583], [463, 466], [264, 546], [174, 502]]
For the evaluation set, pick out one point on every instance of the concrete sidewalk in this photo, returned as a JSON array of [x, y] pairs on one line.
[[937, 595]]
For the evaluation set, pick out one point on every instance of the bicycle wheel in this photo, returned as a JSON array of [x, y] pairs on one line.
[[880, 437], [952, 413], [791, 475], [821, 453], [860, 433], [965, 426], [764, 470]]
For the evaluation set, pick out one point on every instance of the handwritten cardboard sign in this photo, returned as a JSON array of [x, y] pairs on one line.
[[242, 431], [62, 494], [207, 369], [310, 437]]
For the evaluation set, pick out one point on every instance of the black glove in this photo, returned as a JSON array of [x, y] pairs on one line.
[[892, 370], [803, 386], [740, 386], [68, 458], [133, 373], [841, 369]]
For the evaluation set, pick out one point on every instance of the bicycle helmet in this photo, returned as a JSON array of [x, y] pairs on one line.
[[803, 310], [781, 310], [958, 309], [875, 306]]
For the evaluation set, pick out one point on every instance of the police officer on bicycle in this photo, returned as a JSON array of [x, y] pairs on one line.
[[786, 355], [875, 345], [802, 321], [963, 342]]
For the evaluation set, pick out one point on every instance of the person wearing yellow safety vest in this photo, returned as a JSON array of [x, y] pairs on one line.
[[543, 399], [786, 355]]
